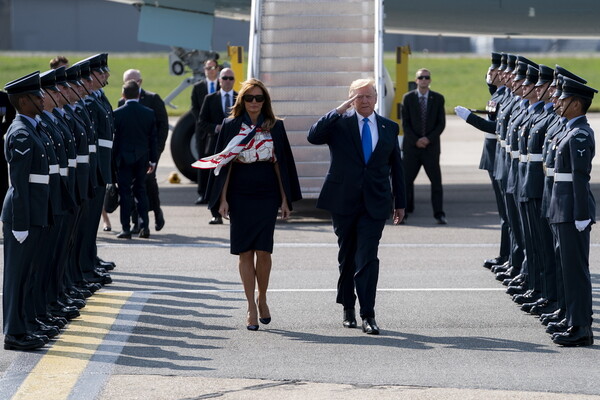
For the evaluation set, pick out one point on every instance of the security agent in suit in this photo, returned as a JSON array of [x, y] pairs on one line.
[[488, 154], [153, 101], [572, 211], [359, 193], [421, 145], [135, 155], [199, 91], [214, 110], [7, 114], [25, 212]]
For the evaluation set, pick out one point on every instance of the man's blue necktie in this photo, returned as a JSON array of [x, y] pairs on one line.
[[212, 87], [367, 141]]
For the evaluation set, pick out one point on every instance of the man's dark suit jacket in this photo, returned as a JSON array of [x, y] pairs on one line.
[[411, 119], [211, 115], [153, 101], [199, 92], [135, 134], [350, 183]]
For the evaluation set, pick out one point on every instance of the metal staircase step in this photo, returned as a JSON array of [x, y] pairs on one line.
[[275, 50], [317, 93], [324, 64], [308, 78], [303, 8], [365, 21], [356, 35]]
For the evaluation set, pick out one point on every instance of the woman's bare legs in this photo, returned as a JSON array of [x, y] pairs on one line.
[[248, 275], [263, 271]]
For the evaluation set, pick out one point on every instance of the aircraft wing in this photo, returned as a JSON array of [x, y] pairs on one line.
[[500, 18]]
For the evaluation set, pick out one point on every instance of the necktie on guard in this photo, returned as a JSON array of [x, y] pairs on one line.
[[212, 87], [423, 106], [227, 103], [367, 141]]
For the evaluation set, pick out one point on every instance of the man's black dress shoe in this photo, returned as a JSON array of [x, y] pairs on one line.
[[349, 318], [200, 200], [500, 268], [518, 280], [555, 316], [216, 221], [556, 327], [49, 319], [493, 261], [124, 235], [513, 290], [575, 336], [60, 310], [541, 309], [441, 220], [539, 302], [369, 326], [42, 329], [145, 233], [23, 342], [528, 297], [107, 265], [159, 220], [135, 229], [510, 273]]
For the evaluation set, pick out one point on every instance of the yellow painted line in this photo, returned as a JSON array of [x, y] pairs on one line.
[[58, 370]]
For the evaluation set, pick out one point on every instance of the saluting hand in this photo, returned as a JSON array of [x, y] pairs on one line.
[[342, 108]]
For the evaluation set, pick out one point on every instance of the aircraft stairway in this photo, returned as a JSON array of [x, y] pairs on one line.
[[307, 52]]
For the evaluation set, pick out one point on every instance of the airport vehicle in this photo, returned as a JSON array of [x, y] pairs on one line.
[[308, 51]]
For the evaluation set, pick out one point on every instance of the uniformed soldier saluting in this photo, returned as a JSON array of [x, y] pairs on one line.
[[572, 212], [25, 211]]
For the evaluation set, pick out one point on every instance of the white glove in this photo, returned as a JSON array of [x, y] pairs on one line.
[[20, 235], [581, 225], [462, 112]]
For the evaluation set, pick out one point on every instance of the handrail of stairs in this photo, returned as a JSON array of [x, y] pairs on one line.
[[254, 40]]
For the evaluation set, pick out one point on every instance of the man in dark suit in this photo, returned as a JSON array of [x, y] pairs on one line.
[[214, 110], [135, 156], [199, 91], [359, 194], [423, 121], [153, 101]]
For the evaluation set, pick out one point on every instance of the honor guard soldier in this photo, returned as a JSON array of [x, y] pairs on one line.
[[488, 154], [25, 212], [573, 210]]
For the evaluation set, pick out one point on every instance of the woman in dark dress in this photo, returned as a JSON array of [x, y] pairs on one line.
[[254, 177]]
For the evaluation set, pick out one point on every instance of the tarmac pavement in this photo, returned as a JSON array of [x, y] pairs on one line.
[[172, 325]]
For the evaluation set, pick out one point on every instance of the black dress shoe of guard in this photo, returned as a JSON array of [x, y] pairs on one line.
[[145, 233], [510, 273], [98, 277], [540, 309], [23, 342], [45, 330], [92, 287], [216, 221], [575, 336], [528, 306], [200, 200], [159, 220], [60, 310], [124, 235], [556, 327], [135, 229], [493, 261], [74, 293], [83, 292], [50, 320], [69, 301], [518, 280], [107, 265], [369, 326], [500, 268], [349, 318], [555, 316], [528, 297], [441, 220], [514, 290]]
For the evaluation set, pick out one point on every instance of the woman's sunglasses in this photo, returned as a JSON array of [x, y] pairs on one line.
[[249, 98]]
